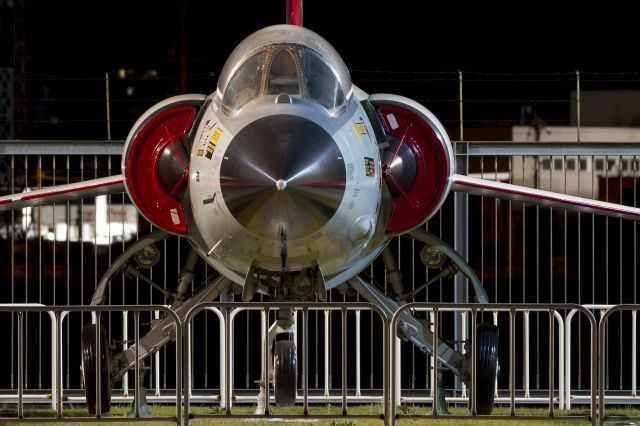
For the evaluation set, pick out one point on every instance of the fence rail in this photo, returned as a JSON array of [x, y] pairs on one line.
[[597, 398]]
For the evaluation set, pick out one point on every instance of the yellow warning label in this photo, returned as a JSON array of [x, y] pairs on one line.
[[360, 128], [369, 167], [216, 135], [211, 146]]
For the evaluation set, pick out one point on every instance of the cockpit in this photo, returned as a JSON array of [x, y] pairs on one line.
[[285, 59]]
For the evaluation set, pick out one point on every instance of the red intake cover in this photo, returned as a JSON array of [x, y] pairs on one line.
[[414, 204], [160, 135]]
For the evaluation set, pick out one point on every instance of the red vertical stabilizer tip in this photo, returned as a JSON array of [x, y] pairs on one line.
[[294, 12]]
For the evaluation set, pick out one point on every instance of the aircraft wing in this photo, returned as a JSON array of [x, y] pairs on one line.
[[61, 193], [508, 191]]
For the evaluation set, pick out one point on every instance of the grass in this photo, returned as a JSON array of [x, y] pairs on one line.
[[121, 411]]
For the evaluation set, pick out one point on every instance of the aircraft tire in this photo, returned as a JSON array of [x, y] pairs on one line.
[[89, 357], [285, 373], [487, 366]]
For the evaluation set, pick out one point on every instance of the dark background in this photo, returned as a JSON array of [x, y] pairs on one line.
[[98, 36], [518, 62]]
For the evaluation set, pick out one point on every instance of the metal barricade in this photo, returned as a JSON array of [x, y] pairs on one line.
[[229, 310], [602, 352], [59, 313], [512, 309]]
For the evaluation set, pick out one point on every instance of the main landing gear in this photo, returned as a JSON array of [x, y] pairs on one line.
[[418, 332], [97, 386], [113, 368]]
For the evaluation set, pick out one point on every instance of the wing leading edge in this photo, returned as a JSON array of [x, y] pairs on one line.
[[61, 193], [508, 191]]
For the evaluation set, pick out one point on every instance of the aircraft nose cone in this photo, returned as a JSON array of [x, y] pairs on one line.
[[283, 173], [281, 184]]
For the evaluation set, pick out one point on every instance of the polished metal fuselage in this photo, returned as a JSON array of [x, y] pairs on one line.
[[284, 186]]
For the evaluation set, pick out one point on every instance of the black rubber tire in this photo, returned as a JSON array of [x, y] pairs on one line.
[[89, 357], [487, 366], [285, 373]]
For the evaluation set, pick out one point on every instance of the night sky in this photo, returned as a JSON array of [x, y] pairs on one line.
[[524, 57], [97, 36]]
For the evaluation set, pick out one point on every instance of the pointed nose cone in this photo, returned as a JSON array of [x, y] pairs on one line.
[[283, 173]]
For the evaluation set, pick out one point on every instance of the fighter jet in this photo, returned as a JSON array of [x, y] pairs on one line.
[[289, 180]]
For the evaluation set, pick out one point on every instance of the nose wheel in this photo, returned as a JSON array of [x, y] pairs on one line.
[[285, 373], [90, 355], [486, 353]]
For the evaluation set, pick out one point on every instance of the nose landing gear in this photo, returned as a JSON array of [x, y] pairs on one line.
[[285, 373]]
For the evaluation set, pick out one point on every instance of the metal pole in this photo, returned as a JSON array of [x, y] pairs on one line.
[[179, 373], [223, 369], [305, 357], [432, 360], [434, 409], [578, 113], [58, 370], [358, 353], [465, 334], [98, 366], [527, 381], [551, 361], [561, 361], [598, 371], [389, 377], [567, 359], [227, 361], [387, 336], [397, 383], [326, 353], [157, 362], [265, 361], [20, 364], [344, 361], [474, 346], [512, 362], [186, 376], [136, 338], [125, 346], [108, 104], [55, 360], [634, 354], [461, 229], [460, 105], [495, 322]]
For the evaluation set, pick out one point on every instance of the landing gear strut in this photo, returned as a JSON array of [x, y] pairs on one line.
[[418, 331], [162, 331]]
